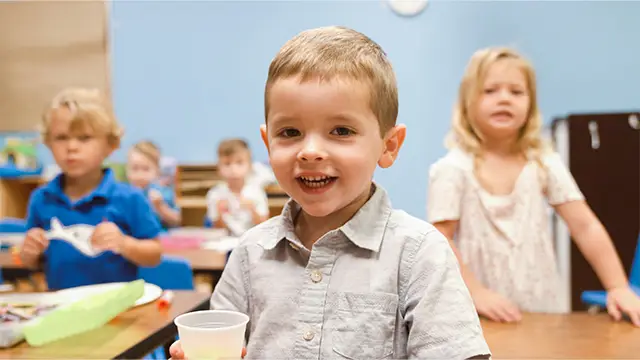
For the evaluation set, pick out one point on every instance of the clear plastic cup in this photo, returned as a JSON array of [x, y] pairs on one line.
[[212, 334]]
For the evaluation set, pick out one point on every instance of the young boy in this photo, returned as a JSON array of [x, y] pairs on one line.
[[85, 204], [236, 204], [341, 274], [143, 172]]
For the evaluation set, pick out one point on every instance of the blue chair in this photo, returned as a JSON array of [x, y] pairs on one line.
[[10, 226], [173, 273], [596, 300]]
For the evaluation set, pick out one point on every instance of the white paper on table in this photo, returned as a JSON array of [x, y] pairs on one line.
[[78, 235]]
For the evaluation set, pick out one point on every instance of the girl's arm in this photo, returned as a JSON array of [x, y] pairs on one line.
[[488, 303], [595, 244]]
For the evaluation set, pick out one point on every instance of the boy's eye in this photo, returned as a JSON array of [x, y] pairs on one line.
[[289, 133], [60, 138], [342, 131], [489, 91], [84, 137]]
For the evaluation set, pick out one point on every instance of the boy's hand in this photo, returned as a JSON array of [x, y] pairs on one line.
[[222, 206], [35, 243], [495, 307], [623, 300], [176, 353], [156, 198], [107, 236]]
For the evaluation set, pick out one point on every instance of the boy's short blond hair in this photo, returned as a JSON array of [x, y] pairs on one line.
[[149, 150], [88, 108], [333, 52], [230, 147]]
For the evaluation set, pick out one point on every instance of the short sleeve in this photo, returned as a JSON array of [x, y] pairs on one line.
[[561, 186], [169, 198], [35, 201], [145, 223], [446, 188], [438, 309], [213, 196]]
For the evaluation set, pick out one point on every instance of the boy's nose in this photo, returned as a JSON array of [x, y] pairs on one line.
[[312, 151], [72, 145]]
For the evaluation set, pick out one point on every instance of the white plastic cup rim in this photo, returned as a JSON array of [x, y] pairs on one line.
[[243, 319]]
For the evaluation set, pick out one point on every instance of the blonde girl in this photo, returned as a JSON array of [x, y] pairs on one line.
[[143, 169], [488, 194]]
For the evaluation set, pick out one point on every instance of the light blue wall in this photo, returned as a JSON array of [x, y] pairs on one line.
[[200, 66]]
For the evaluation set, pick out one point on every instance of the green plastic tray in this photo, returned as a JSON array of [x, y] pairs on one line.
[[87, 314]]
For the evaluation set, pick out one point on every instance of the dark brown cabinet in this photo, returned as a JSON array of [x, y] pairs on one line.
[[603, 154]]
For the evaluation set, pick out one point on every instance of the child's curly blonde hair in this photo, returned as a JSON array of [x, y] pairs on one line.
[[88, 108], [464, 133]]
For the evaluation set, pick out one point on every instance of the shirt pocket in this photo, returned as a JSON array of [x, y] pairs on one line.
[[364, 325]]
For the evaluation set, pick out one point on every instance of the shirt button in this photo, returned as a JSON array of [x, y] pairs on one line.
[[309, 335], [316, 276]]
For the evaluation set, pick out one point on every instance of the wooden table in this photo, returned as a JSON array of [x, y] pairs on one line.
[[570, 336], [131, 335]]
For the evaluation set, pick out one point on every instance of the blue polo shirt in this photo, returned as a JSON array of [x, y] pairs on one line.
[[113, 201], [169, 197]]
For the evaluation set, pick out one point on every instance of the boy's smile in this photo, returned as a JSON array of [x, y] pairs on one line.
[[324, 143]]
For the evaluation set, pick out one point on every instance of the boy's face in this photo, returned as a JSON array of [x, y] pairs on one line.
[[141, 171], [77, 152], [235, 167], [324, 142], [503, 105]]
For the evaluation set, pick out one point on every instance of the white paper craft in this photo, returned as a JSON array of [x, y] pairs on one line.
[[77, 235]]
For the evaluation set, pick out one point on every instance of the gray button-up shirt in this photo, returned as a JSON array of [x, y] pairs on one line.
[[384, 285]]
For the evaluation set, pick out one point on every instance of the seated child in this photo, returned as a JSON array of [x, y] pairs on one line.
[[143, 169], [85, 203], [341, 274], [235, 204]]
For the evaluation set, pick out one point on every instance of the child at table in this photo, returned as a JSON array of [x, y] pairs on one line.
[[85, 203], [236, 204], [143, 169], [341, 273], [487, 195]]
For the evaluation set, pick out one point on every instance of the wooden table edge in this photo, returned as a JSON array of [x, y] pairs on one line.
[[160, 337]]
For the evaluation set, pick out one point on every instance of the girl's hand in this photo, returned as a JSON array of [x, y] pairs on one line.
[[495, 307], [177, 354], [623, 300]]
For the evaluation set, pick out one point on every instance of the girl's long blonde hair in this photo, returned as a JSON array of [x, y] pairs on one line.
[[464, 133]]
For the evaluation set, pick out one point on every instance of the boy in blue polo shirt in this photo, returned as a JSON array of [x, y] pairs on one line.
[[102, 229]]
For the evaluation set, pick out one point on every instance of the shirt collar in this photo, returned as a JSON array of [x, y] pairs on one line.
[[103, 190], [365, 229]]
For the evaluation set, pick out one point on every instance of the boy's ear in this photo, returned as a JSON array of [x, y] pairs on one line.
[[263, 135], [393, 141]]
